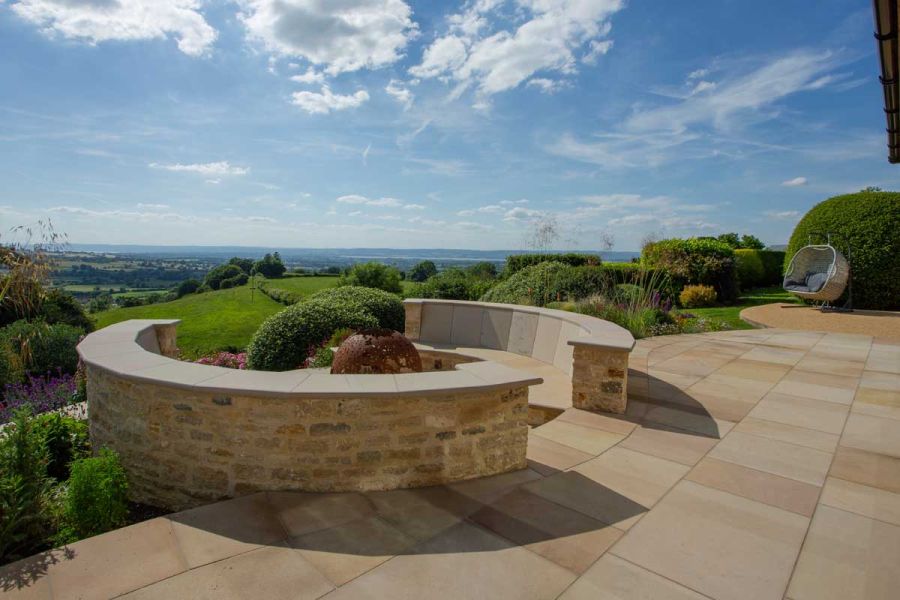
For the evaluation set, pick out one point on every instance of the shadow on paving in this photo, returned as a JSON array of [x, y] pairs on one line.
[[661, 405], [25, 572]]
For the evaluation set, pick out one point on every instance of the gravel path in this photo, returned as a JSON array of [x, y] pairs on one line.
[[880, 324]]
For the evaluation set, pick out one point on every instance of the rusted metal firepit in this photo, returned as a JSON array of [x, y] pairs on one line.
[[381, 351]]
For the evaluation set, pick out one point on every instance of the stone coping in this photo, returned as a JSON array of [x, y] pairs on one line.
[[131, 350], [600, 333]]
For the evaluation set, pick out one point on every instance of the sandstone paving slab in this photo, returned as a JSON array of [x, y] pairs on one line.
[[862, 499], [465, 561], [831, 366], [781, 356], [873, 434], [223, 529], [878, 403], [699, 422], [344, 552], [118, 562], [722, 545], [802, 412], [784, 493], [586, 439], [596, 420], [817, 386], [867, 468], [671, 444], [725, 407], [801, 436], [754, 370], [880, 381], [847, 557], [731, 387], [548, 457], [775, 457], [487, 489], [27, 579], [423, 513], [566, 537], [694, 362], [272, 572], [855, 352], [612, 578], [302, 513]]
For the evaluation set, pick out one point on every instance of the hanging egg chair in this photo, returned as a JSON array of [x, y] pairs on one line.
[[817, 272]]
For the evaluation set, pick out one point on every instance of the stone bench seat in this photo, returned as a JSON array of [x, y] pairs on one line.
[[591, 353]]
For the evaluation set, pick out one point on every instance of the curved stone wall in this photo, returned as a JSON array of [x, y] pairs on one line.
[[189, 434]]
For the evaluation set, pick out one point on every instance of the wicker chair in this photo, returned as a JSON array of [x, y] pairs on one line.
[[818, 273]]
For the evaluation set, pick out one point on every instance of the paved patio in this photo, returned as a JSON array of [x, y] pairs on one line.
[[752, 464]]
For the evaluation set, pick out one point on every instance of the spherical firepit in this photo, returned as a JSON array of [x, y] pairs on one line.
[[380, 351]]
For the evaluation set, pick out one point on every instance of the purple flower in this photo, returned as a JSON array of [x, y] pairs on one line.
[[42, 394], [229, 360]]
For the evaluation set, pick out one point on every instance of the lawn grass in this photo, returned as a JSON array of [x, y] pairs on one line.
[[210, 321], [310, 285], [755, 297]]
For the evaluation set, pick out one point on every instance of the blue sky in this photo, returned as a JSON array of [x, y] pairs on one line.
[[392, 123]]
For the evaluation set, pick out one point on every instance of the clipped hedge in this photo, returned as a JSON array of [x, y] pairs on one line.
[[284, 340], [704, 261], [870, 222], [384, 306], [453, 284], [758, 267], [773, 266], [517, 262], [536, 285]]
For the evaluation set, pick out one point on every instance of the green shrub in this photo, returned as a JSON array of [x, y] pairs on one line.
[[749, 268], [870, 222], [96, 500], [40, 348], [188, 286], [219, 274], [374, 275], [285, 340], [517, 262], [386, 308], [65, 438], [535, 285], [696, 261], [453, 284], [697, 296], [60, 307], [25, 518], [236, 281], [246, 264]]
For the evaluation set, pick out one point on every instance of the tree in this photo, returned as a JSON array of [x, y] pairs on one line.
[[270, 266], [374, 275], [732, 239], [422, 271], [483, 270], [246, 264], [215, 277], [751, 242]]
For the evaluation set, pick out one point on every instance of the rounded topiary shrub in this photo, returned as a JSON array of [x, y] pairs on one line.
[[870, 222], [284, 340], [384, 306]]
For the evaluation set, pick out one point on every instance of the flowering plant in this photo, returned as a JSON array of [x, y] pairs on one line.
[[41, 393], [229, 360]]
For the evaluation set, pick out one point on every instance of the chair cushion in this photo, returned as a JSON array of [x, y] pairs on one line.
[[815, 281]]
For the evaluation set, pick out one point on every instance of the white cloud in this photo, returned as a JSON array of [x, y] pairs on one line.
[[311, 76], [520, 213], [548, 86], [795, 182], [143, 206], [399, 93], [513, 202], [96, 21], [473, 54], [596, 49], [782, 214], [381, 202], [208, 169], [695, 121], [326, 101], [340, 36]]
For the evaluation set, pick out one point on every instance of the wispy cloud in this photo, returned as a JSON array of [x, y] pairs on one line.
[[795, 182], [207, 169]]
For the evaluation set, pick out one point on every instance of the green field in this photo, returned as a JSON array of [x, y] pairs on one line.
[[310, 285], [731, 314], [210, 321]]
